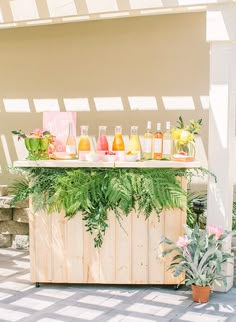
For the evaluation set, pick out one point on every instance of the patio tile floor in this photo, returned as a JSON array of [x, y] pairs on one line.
[[20, 300]]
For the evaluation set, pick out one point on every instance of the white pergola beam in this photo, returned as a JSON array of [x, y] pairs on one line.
[[221, 26], [57, 11]]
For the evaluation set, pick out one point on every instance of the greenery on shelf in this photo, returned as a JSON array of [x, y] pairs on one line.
[[234, 216], [192, 217], [94, 191]]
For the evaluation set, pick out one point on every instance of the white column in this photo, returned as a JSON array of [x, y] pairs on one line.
[[221, 34]]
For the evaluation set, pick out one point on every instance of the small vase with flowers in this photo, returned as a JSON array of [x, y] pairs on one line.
[[184, 140], [37, 143]]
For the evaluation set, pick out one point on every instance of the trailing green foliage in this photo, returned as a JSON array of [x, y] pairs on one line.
[[20, 188], [192, 217], [234, 216], [92, 192], [200, 173]]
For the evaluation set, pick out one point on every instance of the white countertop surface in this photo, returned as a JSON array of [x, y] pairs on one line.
[[102, 164]]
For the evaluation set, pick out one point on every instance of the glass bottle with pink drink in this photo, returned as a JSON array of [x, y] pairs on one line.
[[102, 143]]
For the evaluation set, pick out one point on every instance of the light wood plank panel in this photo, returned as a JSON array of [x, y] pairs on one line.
[[101, 164], [59, 224], [91, 259], [156, 267], [173, 229], [32, 237], [74, 249], [139, 249], [43, 247], [107, 253], [124, 251]]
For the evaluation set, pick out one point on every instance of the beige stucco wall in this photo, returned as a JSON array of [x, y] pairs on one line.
[[156, 56]]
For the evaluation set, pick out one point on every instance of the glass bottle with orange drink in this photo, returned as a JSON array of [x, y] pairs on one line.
[[118, 145], [148, 142], [84, 143]]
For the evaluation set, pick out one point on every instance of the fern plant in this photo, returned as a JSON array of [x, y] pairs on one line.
[[93, 192]]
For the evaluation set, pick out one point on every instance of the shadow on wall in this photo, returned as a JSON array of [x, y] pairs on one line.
[[124, 71], [13, 13]]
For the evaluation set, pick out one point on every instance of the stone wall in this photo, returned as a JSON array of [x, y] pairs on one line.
[[14, 223]]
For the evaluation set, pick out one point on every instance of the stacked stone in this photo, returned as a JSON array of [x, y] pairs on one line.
[[14, 223]]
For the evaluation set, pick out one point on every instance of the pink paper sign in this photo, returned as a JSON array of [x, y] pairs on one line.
[[58, 124]]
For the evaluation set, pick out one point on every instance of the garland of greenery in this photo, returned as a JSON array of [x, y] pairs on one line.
[[94, 191]]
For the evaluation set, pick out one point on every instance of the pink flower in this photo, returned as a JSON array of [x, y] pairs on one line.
[[38, 133], [215, 230], [183, 242]]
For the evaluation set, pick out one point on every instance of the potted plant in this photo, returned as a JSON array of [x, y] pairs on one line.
[[200, 256]]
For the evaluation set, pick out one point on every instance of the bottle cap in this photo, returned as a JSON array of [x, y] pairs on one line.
[[118, 129], [102, 129], [84, 129]]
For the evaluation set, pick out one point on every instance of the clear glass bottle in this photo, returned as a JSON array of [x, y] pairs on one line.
[[167, 143], [118, 144], [157, 143], [71, 142], [134, 142], [148, 142], [84, 143]]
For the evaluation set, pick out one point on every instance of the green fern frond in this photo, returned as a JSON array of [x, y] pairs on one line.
[[92, 192]]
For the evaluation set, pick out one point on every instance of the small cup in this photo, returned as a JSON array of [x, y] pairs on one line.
[[109, 157], [131, 157], [92, 157]]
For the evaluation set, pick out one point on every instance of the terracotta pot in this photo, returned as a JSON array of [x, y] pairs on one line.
[[201, 294]]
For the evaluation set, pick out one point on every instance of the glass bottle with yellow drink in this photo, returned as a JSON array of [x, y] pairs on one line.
[[134, 143]]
